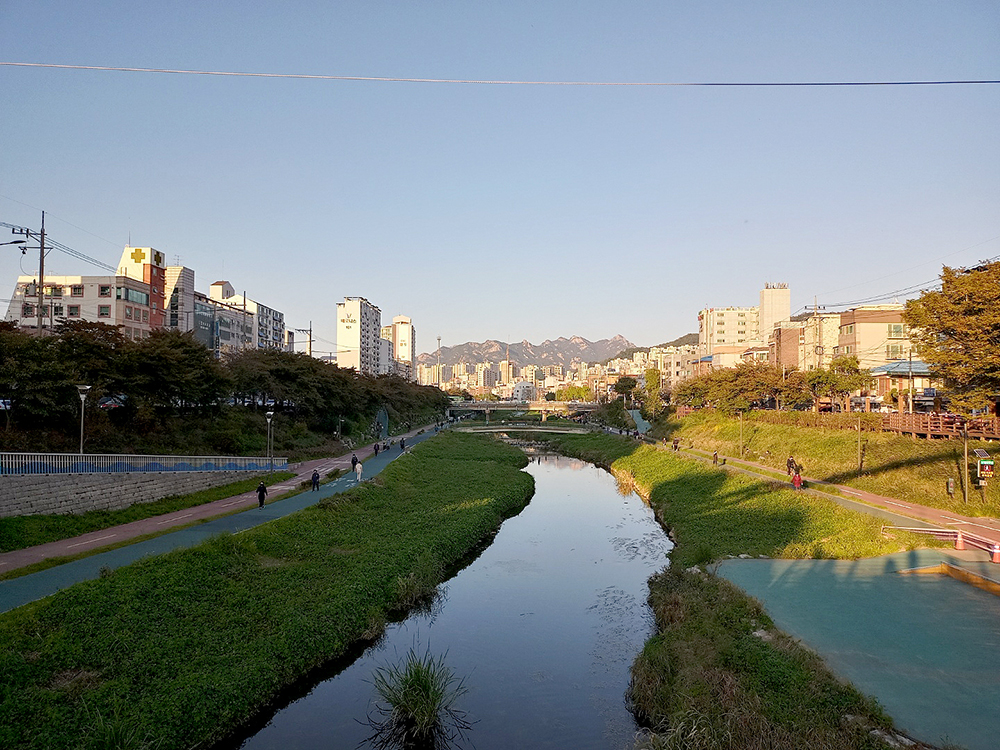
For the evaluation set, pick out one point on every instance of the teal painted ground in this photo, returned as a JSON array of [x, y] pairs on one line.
[[926, 646], [640, 424]]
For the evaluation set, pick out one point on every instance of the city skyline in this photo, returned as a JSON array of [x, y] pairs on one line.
[[615, 210]]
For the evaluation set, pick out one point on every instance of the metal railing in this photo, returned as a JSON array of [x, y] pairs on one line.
[[109, 463], [959, 537]]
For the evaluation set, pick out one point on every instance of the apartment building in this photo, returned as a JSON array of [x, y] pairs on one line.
[[269, 324], [806, 341], [359, 328], [403, 338], [875, 334]]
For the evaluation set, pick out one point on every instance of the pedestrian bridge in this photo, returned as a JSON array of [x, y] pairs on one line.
[[519, 427], [545, 407]]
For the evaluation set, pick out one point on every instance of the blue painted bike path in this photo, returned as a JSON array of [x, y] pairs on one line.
[[19, 591]]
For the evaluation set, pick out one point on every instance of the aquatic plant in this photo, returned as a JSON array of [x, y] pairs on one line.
[[416, 707]]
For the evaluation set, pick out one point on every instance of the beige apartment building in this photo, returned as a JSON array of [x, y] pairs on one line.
[[875, 334], [805, 342]]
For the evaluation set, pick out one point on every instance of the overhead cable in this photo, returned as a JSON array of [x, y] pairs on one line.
[[488, 82]]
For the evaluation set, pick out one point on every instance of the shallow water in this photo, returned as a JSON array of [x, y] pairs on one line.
[[543, 626]]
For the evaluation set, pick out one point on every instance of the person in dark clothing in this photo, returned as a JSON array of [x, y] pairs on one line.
[[376, 448], [715, 458], [261, 494], [402, 444], [790, 465], [354, 460], [315, 478]]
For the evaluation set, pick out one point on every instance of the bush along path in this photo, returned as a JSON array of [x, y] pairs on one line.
[[179, 650], [717, 673]]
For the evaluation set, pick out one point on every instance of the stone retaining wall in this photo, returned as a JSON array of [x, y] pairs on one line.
[[77, 493]]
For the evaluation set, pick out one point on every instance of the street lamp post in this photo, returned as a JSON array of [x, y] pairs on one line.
[[270, 458], [83, 389]]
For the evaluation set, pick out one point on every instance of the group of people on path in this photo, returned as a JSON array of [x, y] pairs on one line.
[[356, 466]]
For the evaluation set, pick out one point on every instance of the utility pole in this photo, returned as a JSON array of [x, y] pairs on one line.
[[859, 445], [41, 276], [41, 268]]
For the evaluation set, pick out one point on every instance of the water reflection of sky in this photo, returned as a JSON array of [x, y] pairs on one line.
[[544, 626]]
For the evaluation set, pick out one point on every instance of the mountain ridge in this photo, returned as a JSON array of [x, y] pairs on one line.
[[564, 351]]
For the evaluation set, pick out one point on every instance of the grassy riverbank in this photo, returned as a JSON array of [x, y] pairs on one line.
[[19, 532], [182, 648], [894, 465], [718, 674]]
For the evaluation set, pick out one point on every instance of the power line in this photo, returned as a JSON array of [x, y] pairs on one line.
[[64, 249], [488, 82]]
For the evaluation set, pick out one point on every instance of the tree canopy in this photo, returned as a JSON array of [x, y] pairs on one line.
[[957, 333], [155, 382]]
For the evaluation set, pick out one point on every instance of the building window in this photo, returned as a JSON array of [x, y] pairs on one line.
[[895, 351], [898, 331], [128, 313], [104, 311], [27, 311], [145, 316], [53, 291], [845, 350], [77, 290], [57, 310], [104, 291], [73, 311]]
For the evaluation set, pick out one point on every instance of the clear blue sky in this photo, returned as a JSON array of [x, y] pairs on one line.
[[527, 212]]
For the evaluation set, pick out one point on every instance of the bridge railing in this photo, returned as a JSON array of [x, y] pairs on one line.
[[110, 463]]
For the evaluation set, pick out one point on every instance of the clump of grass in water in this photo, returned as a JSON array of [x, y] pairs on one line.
[[417, 704]]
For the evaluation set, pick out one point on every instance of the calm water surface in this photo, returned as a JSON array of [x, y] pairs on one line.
[[544, 626]]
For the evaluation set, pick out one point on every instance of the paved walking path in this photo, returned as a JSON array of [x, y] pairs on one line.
[[898, 512], [18, 591]]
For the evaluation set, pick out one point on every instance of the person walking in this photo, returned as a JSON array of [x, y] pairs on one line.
[[354, 461], [797, 481], [357, 470], [261, 493], [402, 444], [315, 478], [790, 465], [715, 458], [376, 447]]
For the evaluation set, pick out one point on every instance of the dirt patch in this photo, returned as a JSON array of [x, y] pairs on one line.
[[75, 681]]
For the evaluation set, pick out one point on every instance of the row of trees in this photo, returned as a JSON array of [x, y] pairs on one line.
[[171, 375], [756, 385]]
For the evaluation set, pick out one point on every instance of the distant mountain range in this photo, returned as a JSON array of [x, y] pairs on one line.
[[562, 351]]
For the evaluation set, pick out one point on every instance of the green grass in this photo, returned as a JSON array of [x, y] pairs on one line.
[[418, 703], [20, 532], [187, 646], [894, 465]]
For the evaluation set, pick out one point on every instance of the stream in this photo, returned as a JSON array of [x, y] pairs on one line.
[[543, 626]]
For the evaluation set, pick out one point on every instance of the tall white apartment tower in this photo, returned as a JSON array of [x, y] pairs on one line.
[[775, 307], [359, 323], [403, 336]]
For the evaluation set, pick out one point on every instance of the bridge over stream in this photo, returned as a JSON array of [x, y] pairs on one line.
[[545, 407]]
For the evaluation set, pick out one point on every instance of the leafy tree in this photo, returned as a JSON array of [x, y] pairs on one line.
[[625, 385], [550, 396], [653, 400], [957, 333], [573, 393]]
